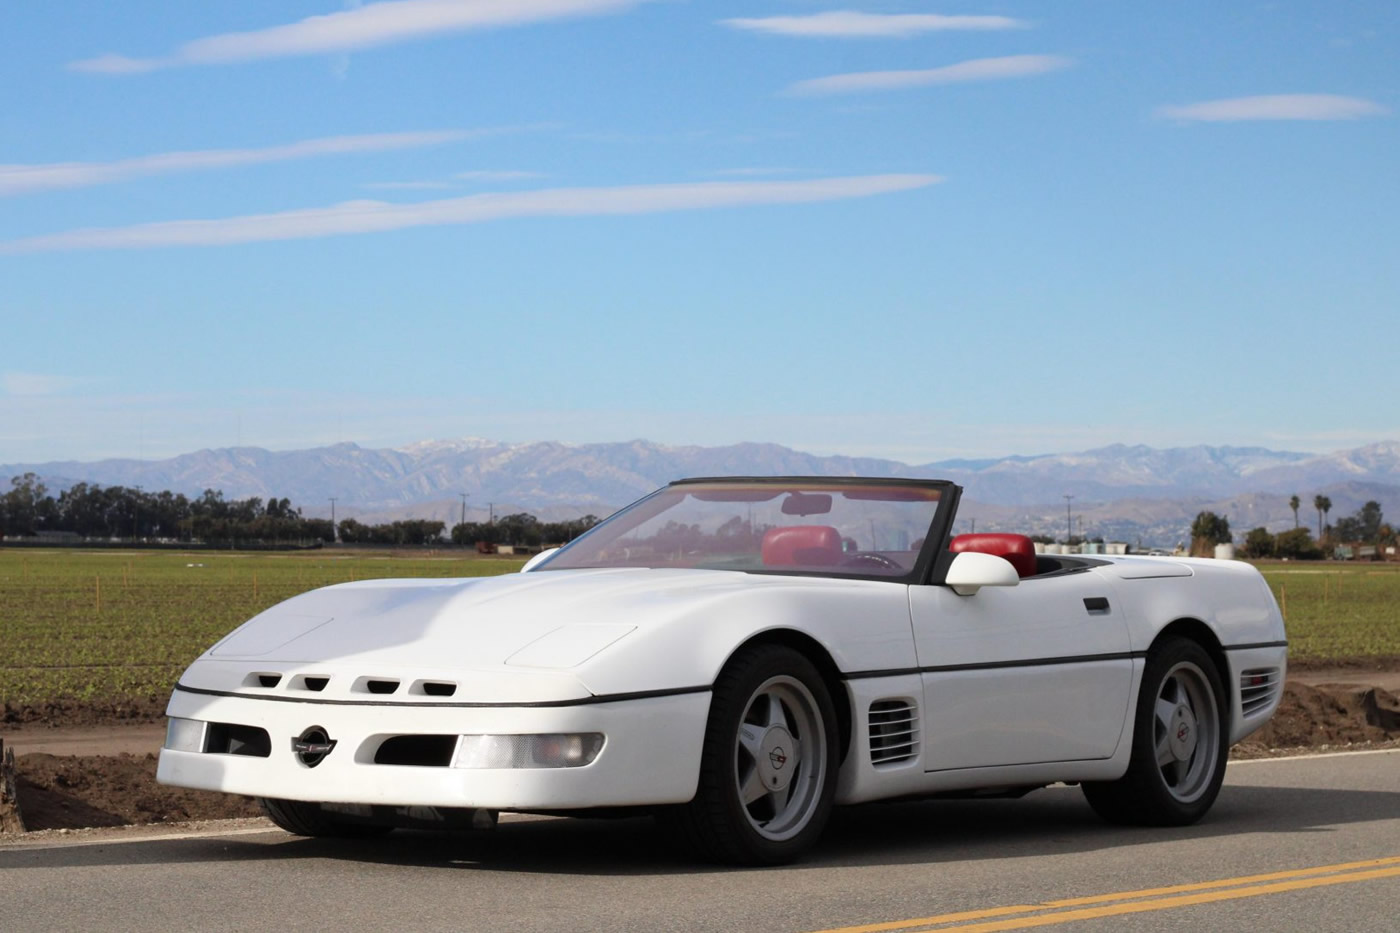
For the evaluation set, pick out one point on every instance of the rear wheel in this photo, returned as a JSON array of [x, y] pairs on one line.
[[1180, 743], [308, 819], [768, 767]]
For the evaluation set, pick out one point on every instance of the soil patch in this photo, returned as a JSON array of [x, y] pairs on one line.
[[59, 714], [1326, 716], [76, 791], [1380, 662]]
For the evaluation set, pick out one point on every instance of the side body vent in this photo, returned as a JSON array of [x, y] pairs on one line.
[[1259, 688], [894, 731]]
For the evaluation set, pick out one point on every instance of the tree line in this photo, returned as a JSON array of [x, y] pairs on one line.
[[1366, 527], [120, 512]]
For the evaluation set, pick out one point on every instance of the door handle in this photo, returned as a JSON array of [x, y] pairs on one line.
[[1096, 603]]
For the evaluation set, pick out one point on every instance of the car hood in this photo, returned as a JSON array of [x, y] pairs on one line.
[[482, 622], [521, 636]]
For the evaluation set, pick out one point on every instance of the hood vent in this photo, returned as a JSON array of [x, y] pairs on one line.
[[894, 731], [376, 686], [1259, 689]]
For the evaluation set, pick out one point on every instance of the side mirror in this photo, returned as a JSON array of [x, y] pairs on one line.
[[538, 559], [970, 571]]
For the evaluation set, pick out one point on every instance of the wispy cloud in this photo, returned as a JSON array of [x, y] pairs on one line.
[[407, 185], [850, 24], [26, 179], [506, 175], [754, 171], [978, 69], [373, 24], [440, 184], [1274, 107], [33, 384], [378, 216]]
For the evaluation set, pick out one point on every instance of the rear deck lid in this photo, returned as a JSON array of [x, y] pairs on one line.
[[1147, 569]]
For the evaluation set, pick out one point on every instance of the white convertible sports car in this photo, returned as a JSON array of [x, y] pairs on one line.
[[736, 656]]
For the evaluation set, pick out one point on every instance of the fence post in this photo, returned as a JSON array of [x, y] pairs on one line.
[[10, 819]]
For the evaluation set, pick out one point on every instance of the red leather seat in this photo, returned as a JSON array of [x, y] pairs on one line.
[[1017, 549], [801, 546]]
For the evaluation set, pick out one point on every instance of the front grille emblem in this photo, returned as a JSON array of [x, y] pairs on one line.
[[312, 746]]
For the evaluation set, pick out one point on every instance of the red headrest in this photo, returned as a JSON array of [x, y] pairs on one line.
[[1018, 549], [801, 545]]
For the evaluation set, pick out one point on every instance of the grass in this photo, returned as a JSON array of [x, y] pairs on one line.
[[1338, 611], [122, 625], [117, 625]]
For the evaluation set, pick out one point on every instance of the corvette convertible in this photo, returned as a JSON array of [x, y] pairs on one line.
[[736, 656]]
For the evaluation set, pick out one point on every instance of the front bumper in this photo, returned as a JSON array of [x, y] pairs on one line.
[[651, 753]]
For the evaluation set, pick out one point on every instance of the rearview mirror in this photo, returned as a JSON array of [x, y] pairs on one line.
[[807, 503], [970, 571]]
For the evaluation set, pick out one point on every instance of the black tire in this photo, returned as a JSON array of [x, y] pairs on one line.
[[308, 819], [769, 762], [1181, 743]]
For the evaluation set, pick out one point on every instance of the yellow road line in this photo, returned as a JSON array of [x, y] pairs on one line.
[[930, 921], [1167, 903], [1226, 882], [1183, 895]]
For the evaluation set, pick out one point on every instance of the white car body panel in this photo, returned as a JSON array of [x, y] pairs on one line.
[[986, 706], [1012, 686]]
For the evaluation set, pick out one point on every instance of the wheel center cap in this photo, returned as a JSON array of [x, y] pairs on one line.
[[777, 758], [1181, 735]]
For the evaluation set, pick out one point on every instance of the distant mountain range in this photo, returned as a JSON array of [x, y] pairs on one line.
[[1121, 492]]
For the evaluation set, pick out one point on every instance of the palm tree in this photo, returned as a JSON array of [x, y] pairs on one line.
[[1293, 504], [1323, 506]]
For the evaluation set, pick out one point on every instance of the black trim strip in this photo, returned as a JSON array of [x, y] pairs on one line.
[[1257, 644], [545, 704], [996, 665]]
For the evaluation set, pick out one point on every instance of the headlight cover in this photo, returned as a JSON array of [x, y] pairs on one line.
[[549, 750], [185, 735]]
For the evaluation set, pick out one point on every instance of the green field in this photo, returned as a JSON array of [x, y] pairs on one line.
[[121, 625], [1338, 611]]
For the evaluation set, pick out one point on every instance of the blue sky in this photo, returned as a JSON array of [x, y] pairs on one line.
[[901, 228]]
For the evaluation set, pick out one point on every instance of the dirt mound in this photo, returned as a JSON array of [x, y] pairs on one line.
[[1327, 714], [72, 792]]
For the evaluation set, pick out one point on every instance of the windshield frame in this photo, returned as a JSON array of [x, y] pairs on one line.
[[935, 539]]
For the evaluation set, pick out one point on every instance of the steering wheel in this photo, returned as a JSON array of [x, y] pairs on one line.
[[855, 560]]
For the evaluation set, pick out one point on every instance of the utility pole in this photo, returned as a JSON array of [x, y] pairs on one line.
[[491, 506], [335, 531], [1069, 522], [464, 507]]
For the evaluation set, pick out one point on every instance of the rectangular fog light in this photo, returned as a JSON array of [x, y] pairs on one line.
[[185, 735], [553, 750]]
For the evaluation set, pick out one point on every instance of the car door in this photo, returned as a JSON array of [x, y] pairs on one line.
[[1037, 672]]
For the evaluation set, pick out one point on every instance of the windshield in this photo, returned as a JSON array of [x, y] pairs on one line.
[[830, 527]]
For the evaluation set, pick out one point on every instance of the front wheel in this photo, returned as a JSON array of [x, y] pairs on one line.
[[309, 819], [1180, 743], [768, 766]]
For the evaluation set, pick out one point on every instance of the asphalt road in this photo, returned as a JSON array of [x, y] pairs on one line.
[[1324, 832]]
